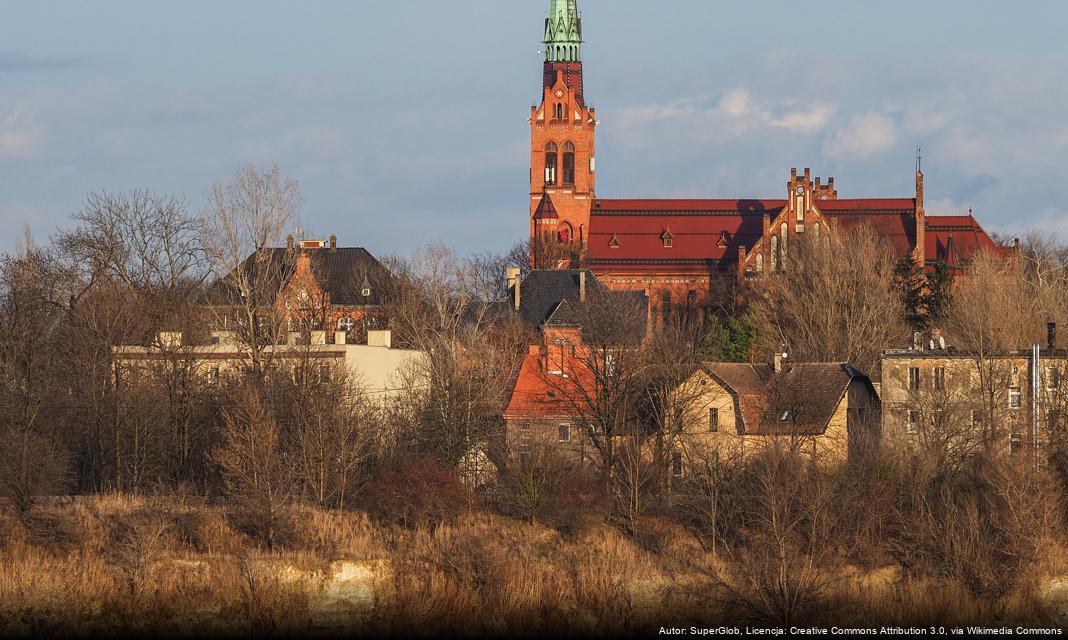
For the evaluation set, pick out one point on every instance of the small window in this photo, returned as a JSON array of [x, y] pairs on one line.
[[1014, 398], [667, 238], [613, 242], [913, 423], [366, 292], [914, 378], [788, 416], [346, 324], [977, 419], [1053, 378], [676, 464], [324, 374], [213, 376], [940, 378], [565, 433], [1015, 443], [713, 420]]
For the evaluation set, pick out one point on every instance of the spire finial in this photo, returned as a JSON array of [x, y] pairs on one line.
[[919, 160]]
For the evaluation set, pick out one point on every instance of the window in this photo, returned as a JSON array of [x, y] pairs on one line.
[[1014, 398], [213, 376], [324, 374], [610, 365], [565, 433], [774, 253], [977, 419], [1015, 443], [1053, 378], [914, 378], [366, 292], [550, 163], [665, 304], [676, 464], [691, 299], [713, 420], [788, 416], [912, 425], [940, 378], [667, 238], [569, 163], [346, 324]]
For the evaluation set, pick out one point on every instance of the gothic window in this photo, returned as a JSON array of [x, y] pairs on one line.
[[816, 229], [550, 163], [569, 163], [783, 232], [774, 253], [565, 235], [760, 263]]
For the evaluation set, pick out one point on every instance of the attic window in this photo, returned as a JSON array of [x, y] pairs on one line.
[[614, 243], [724, 240], [788, 416], [366, 292], [667, 238]]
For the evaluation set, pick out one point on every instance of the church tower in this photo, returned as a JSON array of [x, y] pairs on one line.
[[562, 160]]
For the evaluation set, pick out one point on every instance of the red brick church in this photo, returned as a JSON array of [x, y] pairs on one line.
[[669, 247]]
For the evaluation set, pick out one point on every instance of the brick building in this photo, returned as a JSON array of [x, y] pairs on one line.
[[676, 249]]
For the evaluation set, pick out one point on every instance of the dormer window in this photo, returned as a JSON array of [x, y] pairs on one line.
[[788, 416], [667, 238], [724, 240], [614, 243], [366, 292]]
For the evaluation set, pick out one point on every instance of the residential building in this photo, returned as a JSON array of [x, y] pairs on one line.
[[827, 411], [939, 395]]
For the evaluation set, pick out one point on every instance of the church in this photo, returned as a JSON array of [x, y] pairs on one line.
[[675, 249]]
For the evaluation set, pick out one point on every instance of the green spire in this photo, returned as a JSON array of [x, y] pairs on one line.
[[563, 32]]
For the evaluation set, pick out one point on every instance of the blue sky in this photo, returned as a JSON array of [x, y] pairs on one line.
[[405, 121]]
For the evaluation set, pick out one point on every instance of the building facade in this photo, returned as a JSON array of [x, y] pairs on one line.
[[676, 249]]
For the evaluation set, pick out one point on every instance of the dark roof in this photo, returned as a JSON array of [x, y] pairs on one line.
[[543, 291], [342, 273], [808, 392]]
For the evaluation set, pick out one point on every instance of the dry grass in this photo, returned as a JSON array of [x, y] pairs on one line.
[[133, 565]]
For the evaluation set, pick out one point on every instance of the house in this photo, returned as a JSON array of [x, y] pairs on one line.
[[939, 395], [828, 411], [309, 287]]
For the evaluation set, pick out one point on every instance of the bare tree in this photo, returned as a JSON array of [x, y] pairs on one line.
[[244, 219], [257, 475], [834, 300]]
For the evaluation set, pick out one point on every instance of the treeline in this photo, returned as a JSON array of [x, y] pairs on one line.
[[132, 268]]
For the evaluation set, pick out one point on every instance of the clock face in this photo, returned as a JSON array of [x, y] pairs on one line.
[[800, 190], [559, 93]]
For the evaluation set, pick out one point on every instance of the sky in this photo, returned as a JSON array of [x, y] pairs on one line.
[[405, 122]]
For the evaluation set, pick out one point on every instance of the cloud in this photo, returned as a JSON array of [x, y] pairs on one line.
[[20, 137], [863, 136], [12, 61]]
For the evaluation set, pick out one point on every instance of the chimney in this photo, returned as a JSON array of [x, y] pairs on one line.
[[780, 356], [1051, 335], [380, 339], [511, 274], [333, 242], [582, 286], [341, 337], [289, 241]]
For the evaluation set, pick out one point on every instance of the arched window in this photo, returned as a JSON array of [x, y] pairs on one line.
[[816, 229], [760, 263], [783, 230], [566, 234], [774, 253], [569, 163], [550, 163]]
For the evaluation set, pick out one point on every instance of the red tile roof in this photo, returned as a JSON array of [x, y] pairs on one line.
[[968, 238], [546, 209], [541, 395]]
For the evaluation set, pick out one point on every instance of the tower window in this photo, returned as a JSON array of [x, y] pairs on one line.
[[569, 163], [550, 163]]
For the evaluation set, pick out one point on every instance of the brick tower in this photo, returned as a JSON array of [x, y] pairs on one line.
[[561, 147]]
